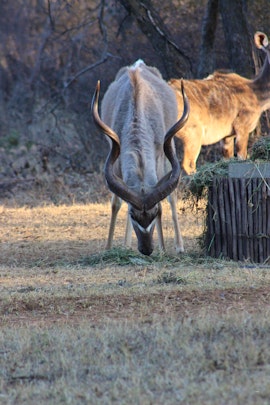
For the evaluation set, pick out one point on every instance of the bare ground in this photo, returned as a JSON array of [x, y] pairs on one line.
[[98, 309]]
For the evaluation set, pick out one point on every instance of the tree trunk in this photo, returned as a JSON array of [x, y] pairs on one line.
[[176, 63], [237, 36], [206, 63]]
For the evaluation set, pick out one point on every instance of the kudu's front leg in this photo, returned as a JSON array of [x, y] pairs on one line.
[[115, 207], [178, 240], [128, 234], [160, 231]]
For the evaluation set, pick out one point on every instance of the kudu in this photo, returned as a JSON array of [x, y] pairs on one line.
[[139, 115], [224, 106]]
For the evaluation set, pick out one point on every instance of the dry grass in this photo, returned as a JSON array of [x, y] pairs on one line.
[[206, 360], [83, 326], [46, 235]]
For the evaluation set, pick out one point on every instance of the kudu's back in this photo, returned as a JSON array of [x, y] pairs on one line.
[[140, 107]]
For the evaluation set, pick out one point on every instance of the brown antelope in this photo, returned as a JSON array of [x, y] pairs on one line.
[[224, 106], [139, 115]]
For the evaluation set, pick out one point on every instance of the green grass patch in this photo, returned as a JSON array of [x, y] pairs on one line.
[[10, 141], [118, 256], [127, 257], [169, 277]]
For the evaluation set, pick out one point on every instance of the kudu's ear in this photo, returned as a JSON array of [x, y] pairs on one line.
[[261, 40]]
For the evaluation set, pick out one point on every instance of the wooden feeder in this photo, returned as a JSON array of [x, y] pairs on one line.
[[238, 214]]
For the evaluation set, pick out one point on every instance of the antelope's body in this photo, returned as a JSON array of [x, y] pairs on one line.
[[224, 106], [138, 112]]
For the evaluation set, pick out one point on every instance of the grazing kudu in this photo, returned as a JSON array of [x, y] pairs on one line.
[[139, 115], [224, 106]]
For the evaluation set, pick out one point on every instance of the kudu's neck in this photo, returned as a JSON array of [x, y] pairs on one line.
[[261, 84]]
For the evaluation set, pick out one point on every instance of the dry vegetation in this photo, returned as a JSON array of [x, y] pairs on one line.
[[83, 326]]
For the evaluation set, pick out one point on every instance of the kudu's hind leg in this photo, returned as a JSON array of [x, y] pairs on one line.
[[178, 240], [115, 207]]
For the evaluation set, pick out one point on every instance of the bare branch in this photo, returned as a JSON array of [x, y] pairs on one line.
[[105, 54], [103, 59], [176, 63]]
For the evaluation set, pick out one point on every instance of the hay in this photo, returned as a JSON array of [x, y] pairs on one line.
[[261, 149], [203, 178], [121, 256], [117, 256], [198, 183]]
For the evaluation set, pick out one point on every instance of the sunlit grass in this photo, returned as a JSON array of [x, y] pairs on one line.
[[49, 235]]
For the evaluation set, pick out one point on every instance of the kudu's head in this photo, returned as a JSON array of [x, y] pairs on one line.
[[144, 207]]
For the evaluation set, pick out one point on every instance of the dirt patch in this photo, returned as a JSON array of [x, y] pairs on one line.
[[144, 308]]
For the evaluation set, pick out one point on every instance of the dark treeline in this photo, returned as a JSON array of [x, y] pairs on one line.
[[52, 53]]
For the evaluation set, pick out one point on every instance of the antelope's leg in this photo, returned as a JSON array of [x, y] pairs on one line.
[[178, 241], [191, 153], [128, 234], [115, 207], [160, 231], [241, 143], [228, 147]]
